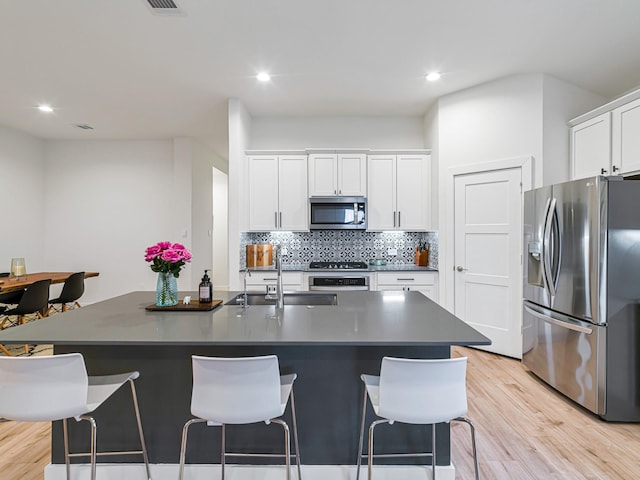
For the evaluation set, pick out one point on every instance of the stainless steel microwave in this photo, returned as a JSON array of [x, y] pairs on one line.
[[337, 213]]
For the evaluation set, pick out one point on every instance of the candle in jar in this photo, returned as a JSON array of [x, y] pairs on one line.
[[19, 270]]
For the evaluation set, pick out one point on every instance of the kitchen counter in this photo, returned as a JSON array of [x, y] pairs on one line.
[[327, 346], [359, 318]]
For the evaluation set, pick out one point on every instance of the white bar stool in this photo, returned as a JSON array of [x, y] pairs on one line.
[[56, 387], [240, 391], [423, 392]]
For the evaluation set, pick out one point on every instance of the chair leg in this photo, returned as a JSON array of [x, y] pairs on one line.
[[287, 445], [473, 443], [22, 321], [223, 452], [370, 449], [94, 429], [295, 433], [433, 450], [6, 352], [183, 448], [67, 462], [364, 413], [140, 432]]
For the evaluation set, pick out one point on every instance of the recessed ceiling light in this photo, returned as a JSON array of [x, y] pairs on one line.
[[45, 108], [263, 77], [433, 76]]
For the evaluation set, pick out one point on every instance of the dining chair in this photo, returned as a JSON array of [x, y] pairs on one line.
[[238, 391], [72, 290], [34, 301], [416, 391], [57, 387]]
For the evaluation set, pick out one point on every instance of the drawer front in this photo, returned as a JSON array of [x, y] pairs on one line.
[[270, 278], [406, 278]]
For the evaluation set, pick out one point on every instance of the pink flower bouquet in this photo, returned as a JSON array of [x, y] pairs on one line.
[[167, 257]]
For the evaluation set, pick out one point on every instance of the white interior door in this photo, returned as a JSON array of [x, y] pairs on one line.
[[487, 253]]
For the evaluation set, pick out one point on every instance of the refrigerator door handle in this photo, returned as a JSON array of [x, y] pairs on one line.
[[565, 322], [546, 248]]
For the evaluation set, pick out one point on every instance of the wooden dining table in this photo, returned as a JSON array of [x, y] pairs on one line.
[[9, 284]]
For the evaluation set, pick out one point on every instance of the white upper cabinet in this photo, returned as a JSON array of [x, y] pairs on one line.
[[591, 147], [625, 130], [606, 141], [399, 192], [278, 198], [339, 174]]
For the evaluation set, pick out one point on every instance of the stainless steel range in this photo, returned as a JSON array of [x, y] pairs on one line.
[[333, 276]]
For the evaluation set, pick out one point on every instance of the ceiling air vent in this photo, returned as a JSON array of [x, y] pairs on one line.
[[164, 7], [83, 126]]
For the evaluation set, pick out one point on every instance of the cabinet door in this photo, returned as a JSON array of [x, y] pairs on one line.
[[263, 193], [413, 187], [323, 174], [626, 138], [352, 174], [381, 190], [293, 200], [591, 147]]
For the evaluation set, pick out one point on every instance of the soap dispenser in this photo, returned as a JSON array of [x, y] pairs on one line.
[[205, 289]]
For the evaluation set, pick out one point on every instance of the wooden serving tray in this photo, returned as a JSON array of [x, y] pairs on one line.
[[190, 307]]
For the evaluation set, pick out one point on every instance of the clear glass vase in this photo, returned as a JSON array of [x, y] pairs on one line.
[[166, 290]]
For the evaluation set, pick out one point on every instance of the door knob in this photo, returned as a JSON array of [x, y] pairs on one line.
[[460, 269]]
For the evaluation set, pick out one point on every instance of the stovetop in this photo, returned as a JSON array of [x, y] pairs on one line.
[[338, 266]]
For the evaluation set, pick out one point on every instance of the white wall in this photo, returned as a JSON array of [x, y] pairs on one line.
[[272, 133], [22, 186], [106, 202], [517, 116], [240, 124], [220, 278]]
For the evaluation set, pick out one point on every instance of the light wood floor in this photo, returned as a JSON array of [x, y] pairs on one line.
[[525, 431]]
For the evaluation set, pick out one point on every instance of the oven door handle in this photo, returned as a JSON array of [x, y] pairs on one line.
[[337, 288]]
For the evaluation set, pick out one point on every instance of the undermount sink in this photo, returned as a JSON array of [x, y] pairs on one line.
[[290, 298]]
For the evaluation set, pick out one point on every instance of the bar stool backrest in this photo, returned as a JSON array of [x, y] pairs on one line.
[[36, 389], [236, 390], [423, 391]]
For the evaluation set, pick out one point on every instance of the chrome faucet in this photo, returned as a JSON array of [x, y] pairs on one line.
[[245, 302], [279, 290]]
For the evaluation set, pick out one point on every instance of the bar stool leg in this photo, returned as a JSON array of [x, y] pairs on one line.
[[295, 434], [364, 412], [223, 449]]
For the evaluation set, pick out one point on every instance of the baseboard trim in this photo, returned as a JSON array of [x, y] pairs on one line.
[[131, 471]]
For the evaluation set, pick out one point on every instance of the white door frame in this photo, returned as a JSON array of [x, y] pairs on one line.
[[446, 238]]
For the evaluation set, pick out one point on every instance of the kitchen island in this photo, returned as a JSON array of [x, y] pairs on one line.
[[328, 347]]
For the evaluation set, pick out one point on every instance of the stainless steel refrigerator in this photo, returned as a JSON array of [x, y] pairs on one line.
[[581, 319]]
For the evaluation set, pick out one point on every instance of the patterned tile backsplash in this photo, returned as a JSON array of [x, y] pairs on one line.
[[344, 245]]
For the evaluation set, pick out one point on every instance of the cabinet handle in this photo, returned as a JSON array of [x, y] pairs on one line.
[[275, 217], [339, 192], [335, 192], [269, 279], [394, 219], [405, 279], [398, 219], [615, 169], [280, 220], [603, 171]]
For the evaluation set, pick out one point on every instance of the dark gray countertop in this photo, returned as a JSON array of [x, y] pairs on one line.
[[360, 318]]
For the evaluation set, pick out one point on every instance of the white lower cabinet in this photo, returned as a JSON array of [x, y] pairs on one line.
[[258, 281], [423, 282]]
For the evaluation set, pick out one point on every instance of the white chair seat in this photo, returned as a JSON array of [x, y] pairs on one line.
[[57, 387], [238, 391], [422, 392], [102, 387]]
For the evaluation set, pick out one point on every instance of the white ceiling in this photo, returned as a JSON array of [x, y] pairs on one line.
[[131, 74]]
